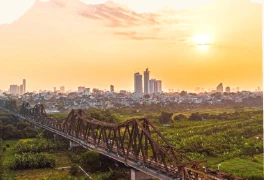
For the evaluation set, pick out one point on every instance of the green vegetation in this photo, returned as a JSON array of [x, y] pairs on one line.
[[59, 116], [103, 115], [37, 145], [12, 128], [165, 117], [33, 160], [231, 137], [90, 160], [244, 167]]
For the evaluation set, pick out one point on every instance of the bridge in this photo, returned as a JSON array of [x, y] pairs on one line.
[[136, 142]]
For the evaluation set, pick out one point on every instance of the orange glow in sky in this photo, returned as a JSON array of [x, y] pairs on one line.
[[95, 43]]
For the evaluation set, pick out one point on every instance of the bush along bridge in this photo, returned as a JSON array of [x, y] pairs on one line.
[[136, 143]]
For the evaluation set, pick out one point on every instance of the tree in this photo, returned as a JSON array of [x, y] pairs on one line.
[[10, 132], [180, 117], [183, 93], [195, 116], [90, 160], [22, 125], [165, 117]]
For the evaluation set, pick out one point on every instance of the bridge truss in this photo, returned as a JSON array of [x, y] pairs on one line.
[[136, 142]]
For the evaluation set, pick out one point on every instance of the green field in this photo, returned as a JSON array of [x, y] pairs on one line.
[[244, 167], [62, 160]]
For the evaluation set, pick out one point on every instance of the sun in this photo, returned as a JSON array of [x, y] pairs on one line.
[[201, 39]]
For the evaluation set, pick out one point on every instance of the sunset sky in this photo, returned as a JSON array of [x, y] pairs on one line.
[[95, 43]]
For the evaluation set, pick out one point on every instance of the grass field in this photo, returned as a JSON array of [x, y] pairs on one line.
[[62, 160], [243, 167]]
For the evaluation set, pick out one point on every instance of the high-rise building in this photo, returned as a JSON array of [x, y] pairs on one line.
[[87, 91], [62, 89], [155, 86], [81, 89], [152, 86], [227, 89], [112, 88], [237, 89], [54, 89], [14, 89], [159, 86], [24, 85], [146, 81], [138, 83], [21, 89], [220, 88]]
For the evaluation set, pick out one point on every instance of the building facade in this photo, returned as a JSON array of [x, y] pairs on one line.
[[146, 81], [220, 88], [21, 89], [24, 86], [159, 86], [81, 89], [138, 83], [14, 89]]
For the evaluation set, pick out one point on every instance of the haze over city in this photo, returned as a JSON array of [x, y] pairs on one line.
[[70, 43]]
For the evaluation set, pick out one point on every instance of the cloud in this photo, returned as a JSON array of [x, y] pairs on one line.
[[144, 6], [117, 16], [135, 36], [59, 3]]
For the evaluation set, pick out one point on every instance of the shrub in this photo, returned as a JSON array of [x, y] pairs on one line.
[[29, 161], [90, 160]]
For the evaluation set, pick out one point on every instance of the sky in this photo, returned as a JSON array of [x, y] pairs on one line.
[[96, 43]]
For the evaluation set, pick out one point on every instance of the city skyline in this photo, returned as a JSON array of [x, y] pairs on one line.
[[185, 46], [156, 86]]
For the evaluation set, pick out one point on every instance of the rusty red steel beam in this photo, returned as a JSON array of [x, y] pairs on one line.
[[133, 139]]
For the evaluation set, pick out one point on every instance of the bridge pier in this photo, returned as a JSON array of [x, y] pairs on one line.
[[138, 175], [72, 145]]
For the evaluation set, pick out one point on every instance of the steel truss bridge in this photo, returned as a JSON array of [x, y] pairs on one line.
[[136, 142]]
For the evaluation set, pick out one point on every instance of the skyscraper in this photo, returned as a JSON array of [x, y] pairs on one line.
[[159, 86], [112, 88], [152, 86], [21, 89], [138, 83], [146, 81], [220, 88], [24, 85], [14, 89]]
